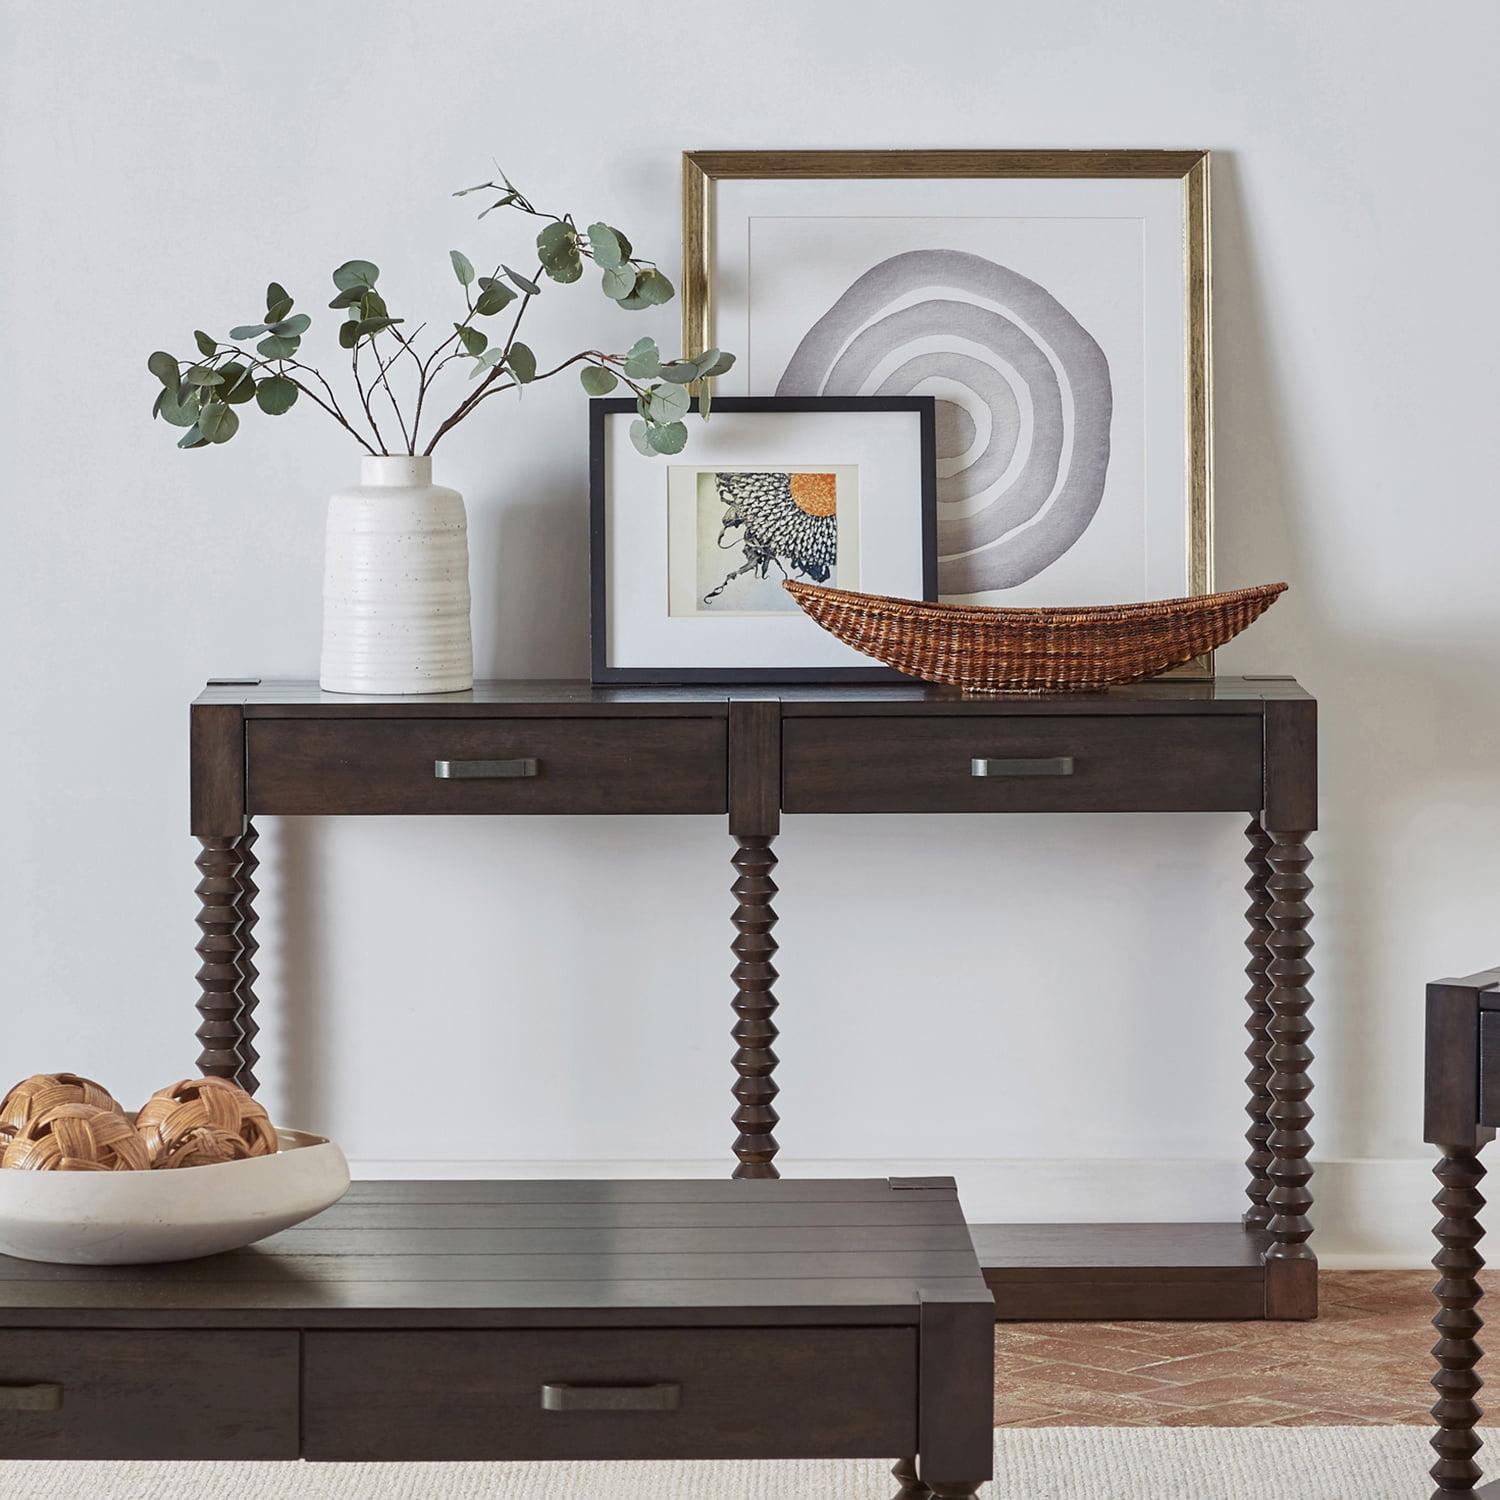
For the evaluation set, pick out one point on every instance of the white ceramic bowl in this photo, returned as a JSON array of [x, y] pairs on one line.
[[134, 1218]]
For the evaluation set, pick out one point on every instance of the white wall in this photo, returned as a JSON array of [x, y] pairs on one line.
[[974, 994]]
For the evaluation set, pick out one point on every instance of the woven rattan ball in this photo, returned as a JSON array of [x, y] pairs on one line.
[[77, 1138], [44, 1091], [201, 1121]]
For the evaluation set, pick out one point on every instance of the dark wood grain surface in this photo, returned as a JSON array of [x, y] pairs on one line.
[[645, 765], [547, 1254], [274, 697], [800, 1392], [131, 1394], [904, 764]]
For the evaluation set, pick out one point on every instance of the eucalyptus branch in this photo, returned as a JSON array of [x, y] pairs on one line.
[[207, 395]]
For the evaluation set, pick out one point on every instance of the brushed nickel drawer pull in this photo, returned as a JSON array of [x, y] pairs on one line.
[[1055, 765], [31, 1397], [562, 1397], [481, 770]]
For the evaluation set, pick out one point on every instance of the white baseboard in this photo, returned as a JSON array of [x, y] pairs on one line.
[[1370, 1215]]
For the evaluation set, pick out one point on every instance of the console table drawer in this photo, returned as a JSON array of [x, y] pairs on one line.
[[614, 1393], [520, 765], [1016, 764], [87, 1393]]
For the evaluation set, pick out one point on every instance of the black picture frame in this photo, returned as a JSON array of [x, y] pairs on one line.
[[601, 409]]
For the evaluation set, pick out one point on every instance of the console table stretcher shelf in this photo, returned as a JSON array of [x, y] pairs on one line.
[[1230, 745]]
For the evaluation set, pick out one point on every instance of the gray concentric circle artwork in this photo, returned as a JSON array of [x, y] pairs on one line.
[[1024, 403]]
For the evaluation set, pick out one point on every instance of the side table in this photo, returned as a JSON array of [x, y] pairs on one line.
[[1461, 1109]]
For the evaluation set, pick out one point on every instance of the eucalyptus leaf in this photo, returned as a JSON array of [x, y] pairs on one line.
[[206, 346], [525, 283], [556, 241], [276, 347], [356, 275], [290, 328], [606, 246], [655, 287], [598, 381], [669, 439], [366, 327], [680, 372], [164, 367], [211, 418], [192, 438], [238, 386], [372, 305], [705, 398], [619, 281], [229, 424], [349, 298], [494, 298], [643, 362], [504, 202], [521, 363], [722, 364], [668, 403], [478, 187], [202, 375], [244, 331], [278, 302], [276, 395], [348, 334], [566, 268], [463, 267], [179, 410], [640, 435], [474, 340], [651, 290]]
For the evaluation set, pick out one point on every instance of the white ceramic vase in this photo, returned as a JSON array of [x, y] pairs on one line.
[[396, 584]]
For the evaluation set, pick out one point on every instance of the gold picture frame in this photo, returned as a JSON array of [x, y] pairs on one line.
[[702, 169]]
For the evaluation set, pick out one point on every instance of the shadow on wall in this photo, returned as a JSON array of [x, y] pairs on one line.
[[1407, 735]]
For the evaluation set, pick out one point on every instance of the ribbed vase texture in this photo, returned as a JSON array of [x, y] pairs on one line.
[[396, 584]]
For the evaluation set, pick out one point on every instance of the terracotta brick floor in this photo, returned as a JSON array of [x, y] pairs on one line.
[[1364, 1361]]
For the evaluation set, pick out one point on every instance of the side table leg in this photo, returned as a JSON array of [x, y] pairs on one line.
[[1291, 1266], [220, 977], [1458, 1322], [754, 1006], [245, 1047], [1258, 1190], [905, 1474]]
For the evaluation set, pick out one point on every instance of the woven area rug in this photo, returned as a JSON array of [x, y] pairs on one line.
[[1043, 1463]]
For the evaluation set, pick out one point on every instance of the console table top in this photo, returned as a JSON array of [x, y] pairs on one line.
[[553, 1254], [295, 697]]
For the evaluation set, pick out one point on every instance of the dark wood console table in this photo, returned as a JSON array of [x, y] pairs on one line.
[[1245, 745], [1461, 1111]]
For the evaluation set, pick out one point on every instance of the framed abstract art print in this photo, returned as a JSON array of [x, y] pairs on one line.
[[689, 552], [1055, 304]]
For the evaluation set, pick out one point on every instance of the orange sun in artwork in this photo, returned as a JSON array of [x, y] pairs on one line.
[[815, 494]]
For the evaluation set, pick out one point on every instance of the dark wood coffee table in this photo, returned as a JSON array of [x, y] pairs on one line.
[[530, 1320]]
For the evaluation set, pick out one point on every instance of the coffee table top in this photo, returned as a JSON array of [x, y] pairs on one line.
[[554, 1254]]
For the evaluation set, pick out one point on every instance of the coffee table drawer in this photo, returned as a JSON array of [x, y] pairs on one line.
[[1042, 764], [83, 1393], [487, 766], [615, 1393]]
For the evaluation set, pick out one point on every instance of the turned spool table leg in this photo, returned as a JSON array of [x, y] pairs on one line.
[[754, 1029], [1291, 1265], [226, 977], [1258, 1189], [1458, 1322]]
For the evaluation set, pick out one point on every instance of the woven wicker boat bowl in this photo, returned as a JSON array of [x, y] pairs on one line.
[[987, 650], [136, 1218]]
